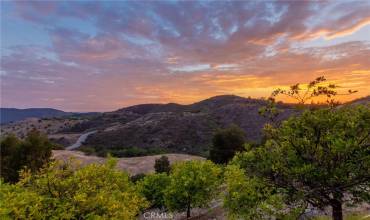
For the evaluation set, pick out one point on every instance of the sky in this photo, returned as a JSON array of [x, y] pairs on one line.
[[104, 55]]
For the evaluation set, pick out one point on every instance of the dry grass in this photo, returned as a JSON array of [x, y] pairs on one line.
[[133, 165]]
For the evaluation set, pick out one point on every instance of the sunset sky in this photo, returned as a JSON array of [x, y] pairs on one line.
[[101, 56]]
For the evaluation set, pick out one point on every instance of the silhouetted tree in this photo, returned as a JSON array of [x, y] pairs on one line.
[[33, 153], [162, 165], [226, 142]]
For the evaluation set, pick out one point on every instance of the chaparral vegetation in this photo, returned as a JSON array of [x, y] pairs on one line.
[[318, 158]]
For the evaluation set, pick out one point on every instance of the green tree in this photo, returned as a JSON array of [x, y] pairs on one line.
[[153, 187], [249, 197], [226, 142], [162, 165], [33, 153], [10, 158], [193, 184], [65, 191], [316, 158]]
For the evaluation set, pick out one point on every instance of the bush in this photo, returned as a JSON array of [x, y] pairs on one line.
[[64, 191], [32, 153], [137, 177], [226, 143], [162, 165]]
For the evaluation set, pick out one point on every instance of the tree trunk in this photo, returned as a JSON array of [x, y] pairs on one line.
[[337, 210], [188, 211]]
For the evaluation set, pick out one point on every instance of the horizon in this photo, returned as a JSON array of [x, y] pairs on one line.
[[96, 56], [165, 103]]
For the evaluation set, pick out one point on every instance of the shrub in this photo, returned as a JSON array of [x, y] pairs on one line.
[[226, 143], [162, 165], [32, 153], [64, 191]]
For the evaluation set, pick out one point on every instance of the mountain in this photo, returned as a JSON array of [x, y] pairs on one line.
[[176, 128], [13, 114], [360, 101]]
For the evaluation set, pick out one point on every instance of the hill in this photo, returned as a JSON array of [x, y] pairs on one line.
[[13, 114], [360, 101], [176, 128]]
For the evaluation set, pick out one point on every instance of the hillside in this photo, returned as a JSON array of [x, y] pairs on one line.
[[157, 128], [13, 114], [360, 101], [176, 128]]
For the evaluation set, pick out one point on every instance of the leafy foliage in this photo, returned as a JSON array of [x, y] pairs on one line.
[[226, 143], [33, 153], [153, 187], [192, 184], [162, 165], [20, 203], [60, 191], [316, 158], [252, 198]]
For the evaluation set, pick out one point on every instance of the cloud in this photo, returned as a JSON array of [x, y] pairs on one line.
[[103, 56]]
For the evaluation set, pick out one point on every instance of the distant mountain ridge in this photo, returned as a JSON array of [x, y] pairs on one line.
[[173, 128], [177, 128], [13, 114]]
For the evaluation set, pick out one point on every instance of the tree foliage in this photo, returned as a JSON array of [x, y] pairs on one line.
[[192, 184], [162, 165], [226, 142], [63, 191], [33, 153], [250, 197], [153, 187], [316, 158]]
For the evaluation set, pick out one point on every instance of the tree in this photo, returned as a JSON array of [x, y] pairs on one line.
[[192, 184], [226, 142], [249, 197], [33, 153], [316, 158], [316, 88], [67, 191], [153, 187], [162, 165], [302, 93]]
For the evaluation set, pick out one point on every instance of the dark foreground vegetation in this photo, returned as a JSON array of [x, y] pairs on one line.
[[319, 158]]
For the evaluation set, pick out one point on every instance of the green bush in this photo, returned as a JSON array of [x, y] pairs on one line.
[[64, 191]]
